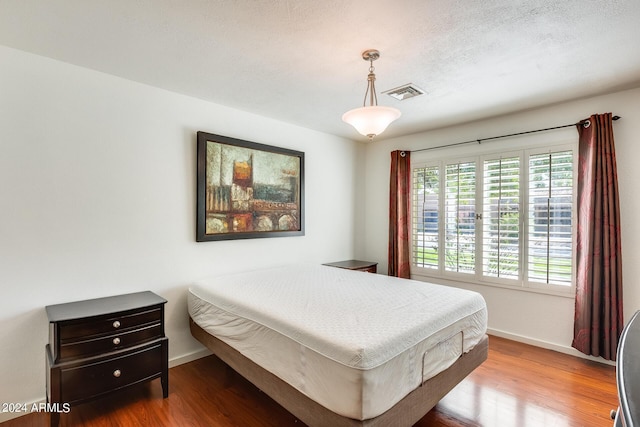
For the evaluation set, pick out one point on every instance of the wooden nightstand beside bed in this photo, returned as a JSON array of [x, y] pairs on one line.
[[102, 345], [354, 264]]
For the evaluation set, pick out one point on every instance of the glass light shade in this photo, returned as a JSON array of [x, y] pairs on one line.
[[372, 120]]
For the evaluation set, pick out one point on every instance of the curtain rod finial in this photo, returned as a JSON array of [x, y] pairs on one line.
[[616, 117]]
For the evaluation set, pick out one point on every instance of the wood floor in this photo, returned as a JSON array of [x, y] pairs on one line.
[[519, 385]]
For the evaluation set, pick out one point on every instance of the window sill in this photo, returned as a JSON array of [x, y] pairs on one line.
[[447, 281]]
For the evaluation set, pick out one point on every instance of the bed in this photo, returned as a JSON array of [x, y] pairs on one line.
[[339, 347]]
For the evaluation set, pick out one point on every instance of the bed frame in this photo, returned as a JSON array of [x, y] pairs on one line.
[[407, 412]]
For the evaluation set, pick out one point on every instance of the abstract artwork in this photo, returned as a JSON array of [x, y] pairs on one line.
[[248, 190]]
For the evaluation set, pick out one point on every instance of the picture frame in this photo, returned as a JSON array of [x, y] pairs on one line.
[[247, 190]]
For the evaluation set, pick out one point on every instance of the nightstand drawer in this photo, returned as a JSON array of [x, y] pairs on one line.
[[83, 382], [105, 344], [90, 327]]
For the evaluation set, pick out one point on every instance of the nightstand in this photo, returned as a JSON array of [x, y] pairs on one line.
[[353, 264], [102, 345]]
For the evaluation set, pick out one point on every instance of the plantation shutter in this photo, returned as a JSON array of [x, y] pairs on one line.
[[425, 224], [550, 218], [460, 217], [501, 218]]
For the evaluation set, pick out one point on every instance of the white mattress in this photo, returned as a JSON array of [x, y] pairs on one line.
[[356, 343]]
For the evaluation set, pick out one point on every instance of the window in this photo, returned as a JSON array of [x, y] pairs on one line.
[[425, 212], [460, 217], [501, 218], [504, 218], [550, 209]]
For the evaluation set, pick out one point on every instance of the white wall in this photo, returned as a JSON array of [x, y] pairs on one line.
[[545, 320], [97, 197]]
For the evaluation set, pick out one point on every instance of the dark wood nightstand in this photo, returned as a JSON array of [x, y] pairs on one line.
[[102, 345], [353, 264]]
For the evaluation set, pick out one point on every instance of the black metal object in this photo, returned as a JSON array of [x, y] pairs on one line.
[[479, 140]]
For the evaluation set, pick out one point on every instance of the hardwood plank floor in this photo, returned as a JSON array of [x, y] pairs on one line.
[[519, 385]]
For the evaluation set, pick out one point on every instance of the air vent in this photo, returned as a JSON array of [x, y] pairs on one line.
[[405, 92]]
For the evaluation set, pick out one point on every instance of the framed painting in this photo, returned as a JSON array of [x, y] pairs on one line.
[[248, 190]]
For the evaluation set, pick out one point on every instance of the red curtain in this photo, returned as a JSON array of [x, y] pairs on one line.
[[598, 308], [399, 215]]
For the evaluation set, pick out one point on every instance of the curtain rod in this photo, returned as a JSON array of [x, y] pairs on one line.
[[479, 141]]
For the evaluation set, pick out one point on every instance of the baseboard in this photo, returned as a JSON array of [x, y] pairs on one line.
[[548, 345], [189, 357], [24, 409]]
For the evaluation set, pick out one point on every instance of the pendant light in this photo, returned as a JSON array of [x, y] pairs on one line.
[[371, 120]]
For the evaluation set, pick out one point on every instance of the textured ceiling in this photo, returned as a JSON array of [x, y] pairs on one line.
[[299, 61]]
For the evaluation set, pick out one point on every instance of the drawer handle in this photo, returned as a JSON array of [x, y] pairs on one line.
[[116, 324], [117, 373], [116, 341]]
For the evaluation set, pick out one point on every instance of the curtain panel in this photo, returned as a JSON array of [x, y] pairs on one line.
[[399, 214], [598, 305]]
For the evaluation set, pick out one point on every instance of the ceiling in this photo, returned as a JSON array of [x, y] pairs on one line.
[[299, 61]]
